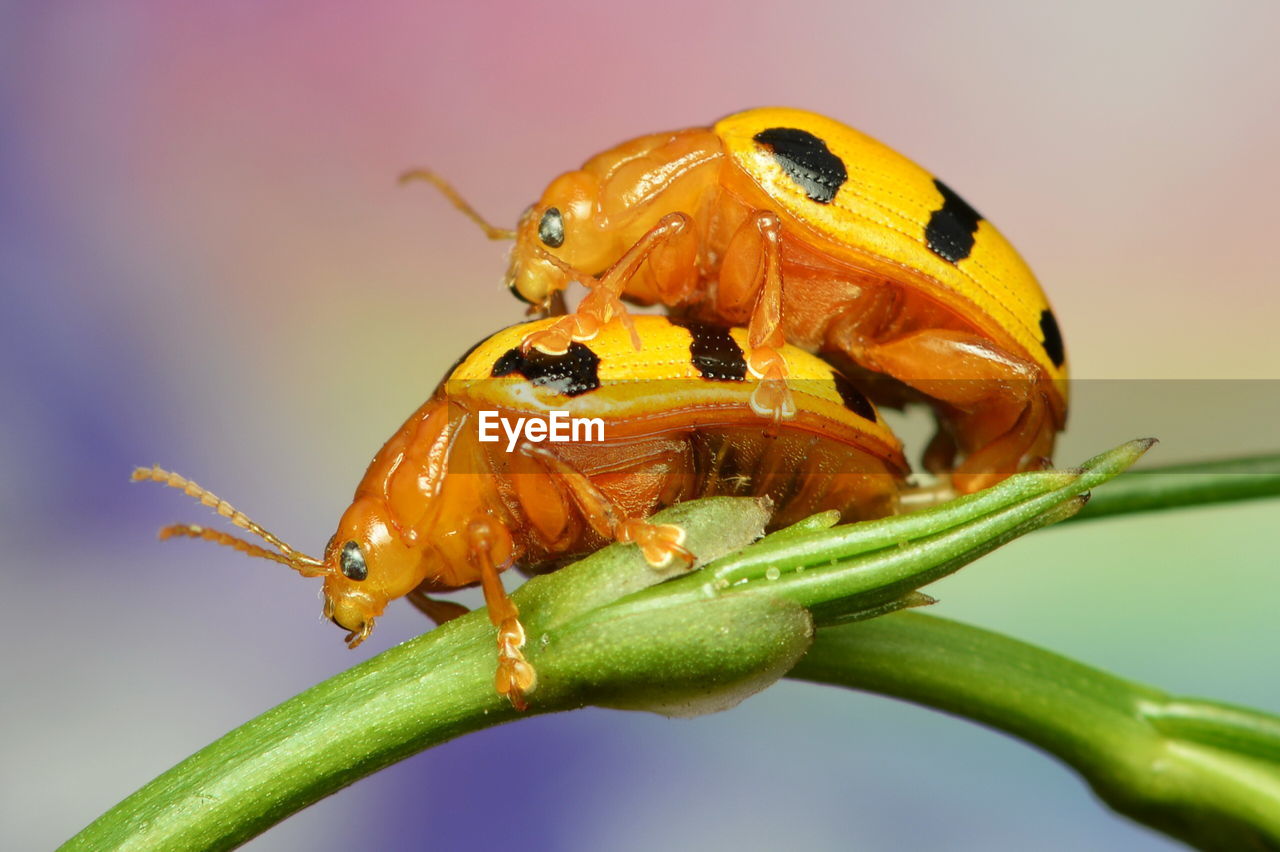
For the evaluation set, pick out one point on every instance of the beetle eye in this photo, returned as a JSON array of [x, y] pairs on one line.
[[352, 562], [551, 228]]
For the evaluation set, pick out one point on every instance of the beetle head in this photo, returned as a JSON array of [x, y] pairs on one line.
[[366, 565], [556, 238]]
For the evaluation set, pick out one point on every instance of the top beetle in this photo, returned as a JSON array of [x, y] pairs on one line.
[[815, 234]]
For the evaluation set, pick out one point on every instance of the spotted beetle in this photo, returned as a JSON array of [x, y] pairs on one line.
[[816, 235], [441, 508]]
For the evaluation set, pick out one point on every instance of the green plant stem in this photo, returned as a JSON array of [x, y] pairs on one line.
[[1203, 772], [591, 642], [862, 568], [603, 631], [440, 685], [1173, 486], [312, 745]]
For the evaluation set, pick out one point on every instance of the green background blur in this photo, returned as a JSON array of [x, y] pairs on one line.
[[206, 263]]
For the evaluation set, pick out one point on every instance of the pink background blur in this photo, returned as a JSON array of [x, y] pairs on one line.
[[206, 263]]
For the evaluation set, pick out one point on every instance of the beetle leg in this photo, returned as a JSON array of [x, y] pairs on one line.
[[515, 677], [662, 545], [771, 397], [597, 309], [665, 243], [1026, 445], [436, 610], [752, 268], [940, 454], [1002, 420]]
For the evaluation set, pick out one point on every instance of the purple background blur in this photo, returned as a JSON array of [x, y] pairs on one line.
[[207, 264]]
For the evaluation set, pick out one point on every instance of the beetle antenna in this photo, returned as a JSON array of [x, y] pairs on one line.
[[288, 556], [490, 231], [234, 542]]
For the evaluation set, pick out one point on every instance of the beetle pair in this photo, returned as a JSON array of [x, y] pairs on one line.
[[801, 228]]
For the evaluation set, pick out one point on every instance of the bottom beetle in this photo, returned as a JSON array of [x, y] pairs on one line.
[[475, 480]]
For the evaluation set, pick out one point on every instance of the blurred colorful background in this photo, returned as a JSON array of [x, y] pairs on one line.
[[208, 264]]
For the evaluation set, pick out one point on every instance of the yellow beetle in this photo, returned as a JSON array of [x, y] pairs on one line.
[[478, 479], [814, 234]]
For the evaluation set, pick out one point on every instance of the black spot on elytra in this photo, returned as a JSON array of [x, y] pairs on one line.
[[572, 374], [807, 160], [1052, 337], [714, 352], [950, 231], [853, 399]]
